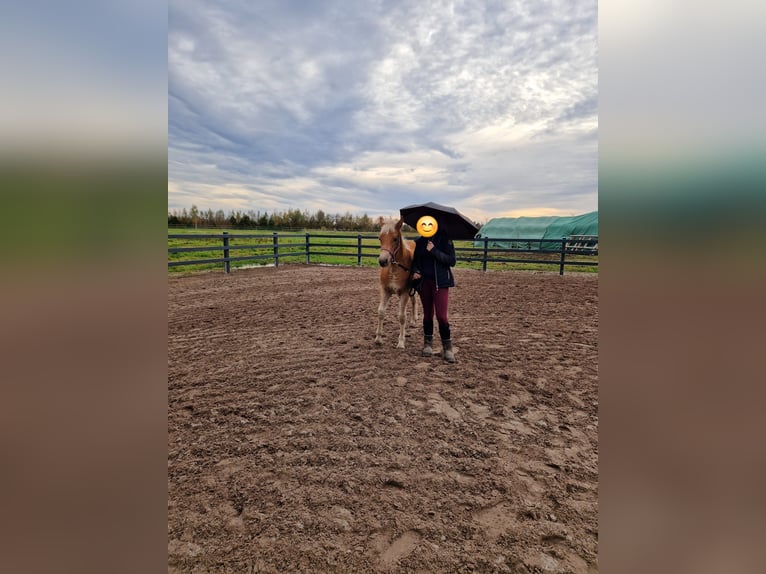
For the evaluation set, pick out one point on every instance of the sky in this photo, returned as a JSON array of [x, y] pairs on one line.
[[368, 106]]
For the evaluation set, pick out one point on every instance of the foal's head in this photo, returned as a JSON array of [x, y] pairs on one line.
[[390, 243]]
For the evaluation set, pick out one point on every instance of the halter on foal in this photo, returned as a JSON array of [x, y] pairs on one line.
[[396, 264]]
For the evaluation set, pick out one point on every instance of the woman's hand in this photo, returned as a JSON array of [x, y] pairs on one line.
[[416, 276], [429, 245]]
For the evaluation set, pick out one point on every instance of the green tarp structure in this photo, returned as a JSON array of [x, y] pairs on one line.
[[505, 232]]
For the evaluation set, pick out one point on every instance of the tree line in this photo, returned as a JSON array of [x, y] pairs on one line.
[[290, 219]]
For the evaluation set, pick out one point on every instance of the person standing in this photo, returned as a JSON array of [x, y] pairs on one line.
[[434, 257]]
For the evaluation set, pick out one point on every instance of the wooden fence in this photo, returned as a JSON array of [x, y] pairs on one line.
[[305, 246]]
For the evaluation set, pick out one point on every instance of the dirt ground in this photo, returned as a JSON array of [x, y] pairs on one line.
[[295, 444]]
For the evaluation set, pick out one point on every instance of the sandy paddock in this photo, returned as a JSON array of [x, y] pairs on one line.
[[295, 444]]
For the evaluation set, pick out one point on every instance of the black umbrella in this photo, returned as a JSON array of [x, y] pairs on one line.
[[452, 223]]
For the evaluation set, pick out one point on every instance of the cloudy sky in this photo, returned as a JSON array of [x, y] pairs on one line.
[[371, 105]]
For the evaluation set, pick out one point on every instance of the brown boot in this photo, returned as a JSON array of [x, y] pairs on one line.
[[449, 356], [427, 350]]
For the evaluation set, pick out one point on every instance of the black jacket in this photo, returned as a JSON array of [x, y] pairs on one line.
[[435, 264]]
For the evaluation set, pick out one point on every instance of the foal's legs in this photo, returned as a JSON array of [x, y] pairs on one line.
[[414, 314], [384, 297]]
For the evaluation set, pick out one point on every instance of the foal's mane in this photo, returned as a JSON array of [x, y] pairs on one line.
[[389, 227]]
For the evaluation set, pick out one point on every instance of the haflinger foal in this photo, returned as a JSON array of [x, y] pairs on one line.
[[396, 268]]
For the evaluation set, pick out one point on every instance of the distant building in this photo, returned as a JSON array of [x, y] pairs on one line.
[[581, 232]]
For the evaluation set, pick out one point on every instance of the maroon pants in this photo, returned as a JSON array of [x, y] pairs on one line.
[[434, 300]]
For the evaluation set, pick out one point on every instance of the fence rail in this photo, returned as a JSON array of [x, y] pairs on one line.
[[352, 246]]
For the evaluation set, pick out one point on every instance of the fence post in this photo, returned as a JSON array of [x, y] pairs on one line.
[[563, 252], [226, 264], [307, 249], [484, 261], [276, 249], [359, 250]]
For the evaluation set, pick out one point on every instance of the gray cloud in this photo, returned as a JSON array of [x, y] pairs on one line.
[[373, 105]]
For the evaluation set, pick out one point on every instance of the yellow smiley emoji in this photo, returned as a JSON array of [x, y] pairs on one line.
[[427, 226]]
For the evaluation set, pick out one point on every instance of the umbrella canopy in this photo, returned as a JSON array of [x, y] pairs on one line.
[[452, 223]]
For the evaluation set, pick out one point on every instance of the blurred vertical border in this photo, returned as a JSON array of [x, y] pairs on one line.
[[83, 195], [682, 175]]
